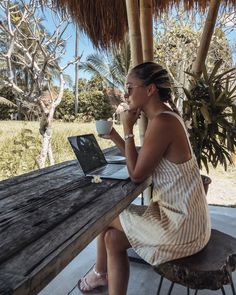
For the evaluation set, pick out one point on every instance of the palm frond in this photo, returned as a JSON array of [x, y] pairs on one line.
[[7, 102], [96, 65]]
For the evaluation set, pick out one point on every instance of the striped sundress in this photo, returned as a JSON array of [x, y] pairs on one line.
[[176, 223]]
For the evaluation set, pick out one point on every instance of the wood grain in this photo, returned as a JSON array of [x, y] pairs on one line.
[[48, 216]]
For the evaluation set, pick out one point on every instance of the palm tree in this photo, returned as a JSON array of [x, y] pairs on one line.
[[112, 69]]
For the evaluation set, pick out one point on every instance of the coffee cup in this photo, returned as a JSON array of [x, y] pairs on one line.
[[103, 127]]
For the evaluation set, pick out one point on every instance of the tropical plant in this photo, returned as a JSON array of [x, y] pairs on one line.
[[7, 102], [177, 38], [208, 111], [112, 68]]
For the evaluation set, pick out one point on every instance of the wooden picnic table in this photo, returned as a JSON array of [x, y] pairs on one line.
[[48, 216]]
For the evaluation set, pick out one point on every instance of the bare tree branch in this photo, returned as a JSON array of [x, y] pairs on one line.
[[34, 55]]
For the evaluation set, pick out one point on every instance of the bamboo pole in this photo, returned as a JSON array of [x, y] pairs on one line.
[[147, 48], [136, 48], [76, 70], [206, 36], [134, 32], [141, 43], [146, 28]]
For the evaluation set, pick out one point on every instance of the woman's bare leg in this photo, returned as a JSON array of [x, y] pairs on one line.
[[117, 260], [91, 280], [101, 258], [112, 258]]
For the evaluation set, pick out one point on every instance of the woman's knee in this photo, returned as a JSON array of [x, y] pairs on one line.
[[115, 240]]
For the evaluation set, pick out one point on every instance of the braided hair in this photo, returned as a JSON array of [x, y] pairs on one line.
[[151, 72]]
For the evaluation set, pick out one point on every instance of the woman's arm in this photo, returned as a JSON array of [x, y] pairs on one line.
[[156, 142], [118, 140]]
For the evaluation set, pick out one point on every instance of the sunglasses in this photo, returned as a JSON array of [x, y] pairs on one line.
[[128, 88]]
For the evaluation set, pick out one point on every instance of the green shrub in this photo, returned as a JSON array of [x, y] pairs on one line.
[[94, 102], [20, 156]]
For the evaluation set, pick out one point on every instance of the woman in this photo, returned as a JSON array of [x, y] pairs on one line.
[[176, 223]]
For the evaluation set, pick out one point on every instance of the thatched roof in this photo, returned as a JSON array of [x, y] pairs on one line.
[[105, 21]]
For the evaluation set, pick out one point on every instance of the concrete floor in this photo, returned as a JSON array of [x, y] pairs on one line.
[[143, 280]]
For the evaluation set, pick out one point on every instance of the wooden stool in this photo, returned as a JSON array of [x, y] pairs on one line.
[[211, 268]]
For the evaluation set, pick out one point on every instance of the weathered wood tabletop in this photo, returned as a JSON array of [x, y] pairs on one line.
[[48, 216]]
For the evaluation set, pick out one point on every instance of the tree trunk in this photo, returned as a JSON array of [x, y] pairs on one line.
[[46, 132], [46, 125], [206, 36]]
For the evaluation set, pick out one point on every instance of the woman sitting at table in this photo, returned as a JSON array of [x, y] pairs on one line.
[[176, 223]]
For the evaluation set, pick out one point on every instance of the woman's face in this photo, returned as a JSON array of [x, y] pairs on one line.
[[135, 92]]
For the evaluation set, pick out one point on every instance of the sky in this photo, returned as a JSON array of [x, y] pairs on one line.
[[85, 46]]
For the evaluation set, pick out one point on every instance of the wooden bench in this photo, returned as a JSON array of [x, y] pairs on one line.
[[211, 268]]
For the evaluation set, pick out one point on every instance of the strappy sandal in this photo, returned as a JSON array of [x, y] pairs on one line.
[[88, 287]]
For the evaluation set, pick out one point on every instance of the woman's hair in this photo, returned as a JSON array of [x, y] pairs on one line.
[[151, 72]]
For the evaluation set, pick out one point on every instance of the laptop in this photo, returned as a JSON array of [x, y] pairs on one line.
[[92, 159]]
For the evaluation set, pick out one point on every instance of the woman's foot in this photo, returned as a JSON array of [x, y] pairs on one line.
[[92, 280]]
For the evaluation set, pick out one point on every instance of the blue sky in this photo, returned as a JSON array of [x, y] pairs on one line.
[[85, 46]]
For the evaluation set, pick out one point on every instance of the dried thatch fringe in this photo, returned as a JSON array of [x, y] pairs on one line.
[[105, 21], [160, 6]]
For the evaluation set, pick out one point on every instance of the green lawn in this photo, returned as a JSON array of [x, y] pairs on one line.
[[16, 159]]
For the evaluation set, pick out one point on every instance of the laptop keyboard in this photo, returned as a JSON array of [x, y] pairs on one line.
[[109, 169]]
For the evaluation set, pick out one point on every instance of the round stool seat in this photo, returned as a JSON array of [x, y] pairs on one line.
[[211, 268]]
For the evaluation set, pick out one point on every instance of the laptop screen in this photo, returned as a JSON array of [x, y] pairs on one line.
[[87, 151]]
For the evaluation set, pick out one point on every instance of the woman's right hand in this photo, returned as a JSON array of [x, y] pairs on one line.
[[129, 118], [116, 138], [110, 135]]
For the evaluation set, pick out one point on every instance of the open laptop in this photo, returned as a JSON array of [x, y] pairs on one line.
[[92, 159]]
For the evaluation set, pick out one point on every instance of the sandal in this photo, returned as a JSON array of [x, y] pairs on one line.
[[93, 287]]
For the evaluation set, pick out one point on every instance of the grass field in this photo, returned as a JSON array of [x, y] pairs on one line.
[[222, 191], [10, 131]]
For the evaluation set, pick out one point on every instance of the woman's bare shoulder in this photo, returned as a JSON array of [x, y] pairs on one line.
[[163, 120]]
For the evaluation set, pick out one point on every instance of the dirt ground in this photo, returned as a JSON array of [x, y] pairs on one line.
[[222, 190]]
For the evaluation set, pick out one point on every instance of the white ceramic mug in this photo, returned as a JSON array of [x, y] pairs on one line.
[[103, 127]]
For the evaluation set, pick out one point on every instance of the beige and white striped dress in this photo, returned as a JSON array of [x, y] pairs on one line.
[[177, 222]]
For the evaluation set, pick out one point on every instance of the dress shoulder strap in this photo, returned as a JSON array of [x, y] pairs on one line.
[[184, 127]]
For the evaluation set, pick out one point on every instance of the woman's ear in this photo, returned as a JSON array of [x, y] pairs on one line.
[[151, 89]]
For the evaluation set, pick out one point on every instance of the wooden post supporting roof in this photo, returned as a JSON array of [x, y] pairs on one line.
[[206, 36], [147, 46], [136, 47], [146, 29], [141, 37], [134, 32]]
